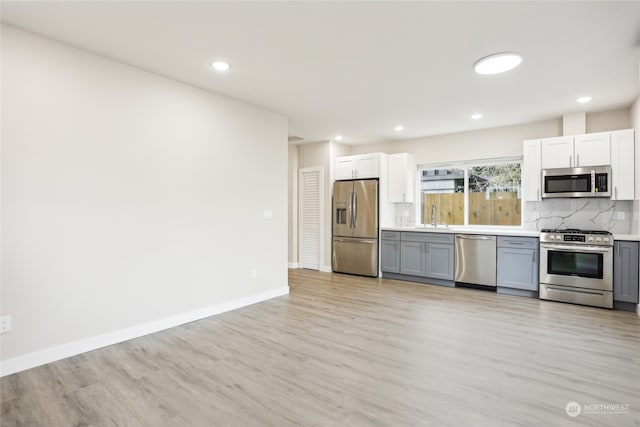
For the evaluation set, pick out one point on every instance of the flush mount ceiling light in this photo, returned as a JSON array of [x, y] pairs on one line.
[[220, 65], [398, 128], [497, 63], [476, 116], [583, 99], [338, 138]]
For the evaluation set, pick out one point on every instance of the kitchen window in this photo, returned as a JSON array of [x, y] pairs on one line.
[[472, 193]]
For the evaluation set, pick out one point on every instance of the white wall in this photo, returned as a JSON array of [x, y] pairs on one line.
[[635, 123], [604, 121], [480, 144], [490, 143], [127, 197], [293, 205]]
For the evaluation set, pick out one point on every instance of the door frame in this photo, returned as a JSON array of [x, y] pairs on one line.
[[301, 172]]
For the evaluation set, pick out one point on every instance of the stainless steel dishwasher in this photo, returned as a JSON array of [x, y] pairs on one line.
[[476, 259]]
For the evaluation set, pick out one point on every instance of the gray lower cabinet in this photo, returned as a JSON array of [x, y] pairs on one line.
[[390, 251], [625, 272], [425, 255], [518, 265], [390, 256], [412, 259], [439, 261]]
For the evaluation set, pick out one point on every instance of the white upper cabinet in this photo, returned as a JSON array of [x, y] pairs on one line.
[[531, 171], [368, 166], [616, 148], [344, 168], [557, 152], [592, 149], [402, 168], [622, 165], [358, 167], [576, 151]]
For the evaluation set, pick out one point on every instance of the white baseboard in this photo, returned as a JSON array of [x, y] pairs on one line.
[[294, 265], [326, 269], [62, 351]]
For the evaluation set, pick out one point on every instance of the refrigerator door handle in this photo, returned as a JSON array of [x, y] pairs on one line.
[[351, 225], [355, 209]]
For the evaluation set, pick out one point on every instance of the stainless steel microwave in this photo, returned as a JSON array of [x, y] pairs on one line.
[[593, 181]]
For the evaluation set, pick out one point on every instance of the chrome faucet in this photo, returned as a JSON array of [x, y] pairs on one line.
[[434, 215]]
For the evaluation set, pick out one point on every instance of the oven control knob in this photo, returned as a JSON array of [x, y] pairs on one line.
[[598, 239], [552, 237], [590, 239], [605, 239], [558, 237]]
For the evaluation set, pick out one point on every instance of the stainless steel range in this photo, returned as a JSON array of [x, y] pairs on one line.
[[576, 266]]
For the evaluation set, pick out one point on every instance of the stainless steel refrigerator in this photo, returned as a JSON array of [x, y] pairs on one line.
[[355, 227]]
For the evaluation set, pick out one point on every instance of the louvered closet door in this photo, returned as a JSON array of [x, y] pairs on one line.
[[310, 217]]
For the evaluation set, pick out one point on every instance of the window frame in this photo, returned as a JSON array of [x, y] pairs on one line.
[[465, 165]]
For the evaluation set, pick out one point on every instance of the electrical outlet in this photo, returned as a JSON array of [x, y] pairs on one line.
[[254, 274], [620, 215], [5, 324]]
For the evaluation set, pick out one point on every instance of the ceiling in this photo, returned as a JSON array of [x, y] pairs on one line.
[[361, 68]]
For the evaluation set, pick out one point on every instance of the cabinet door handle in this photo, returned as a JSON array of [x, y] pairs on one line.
[[534, 257], [615, 191], [403, 199], [538, 194], [570, 159]]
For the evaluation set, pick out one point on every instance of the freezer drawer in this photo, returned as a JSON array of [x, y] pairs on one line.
[[592, 297], [355, 256]]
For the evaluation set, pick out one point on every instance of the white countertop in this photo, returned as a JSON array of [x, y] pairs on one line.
[[466, 230], [492, 231], [632, 237]]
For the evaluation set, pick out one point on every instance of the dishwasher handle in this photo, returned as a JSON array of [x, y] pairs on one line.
[[471, 237]]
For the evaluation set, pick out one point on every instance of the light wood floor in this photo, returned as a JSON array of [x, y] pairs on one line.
[[344, 350]]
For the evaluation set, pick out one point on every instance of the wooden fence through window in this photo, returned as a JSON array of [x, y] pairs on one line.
[[501, 208]]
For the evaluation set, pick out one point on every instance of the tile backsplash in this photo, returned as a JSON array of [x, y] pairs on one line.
[[587, 214], [404, 215]]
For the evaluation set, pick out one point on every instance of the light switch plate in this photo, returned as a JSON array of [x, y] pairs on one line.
[[5, 324]]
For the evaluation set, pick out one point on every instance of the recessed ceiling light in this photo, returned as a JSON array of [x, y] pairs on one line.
[[583, 99], [399, 128], [338, 138], [220, 65], [476, 116], [498, 63]]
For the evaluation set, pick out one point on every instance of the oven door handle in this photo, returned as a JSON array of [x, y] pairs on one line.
[[594, 249]]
